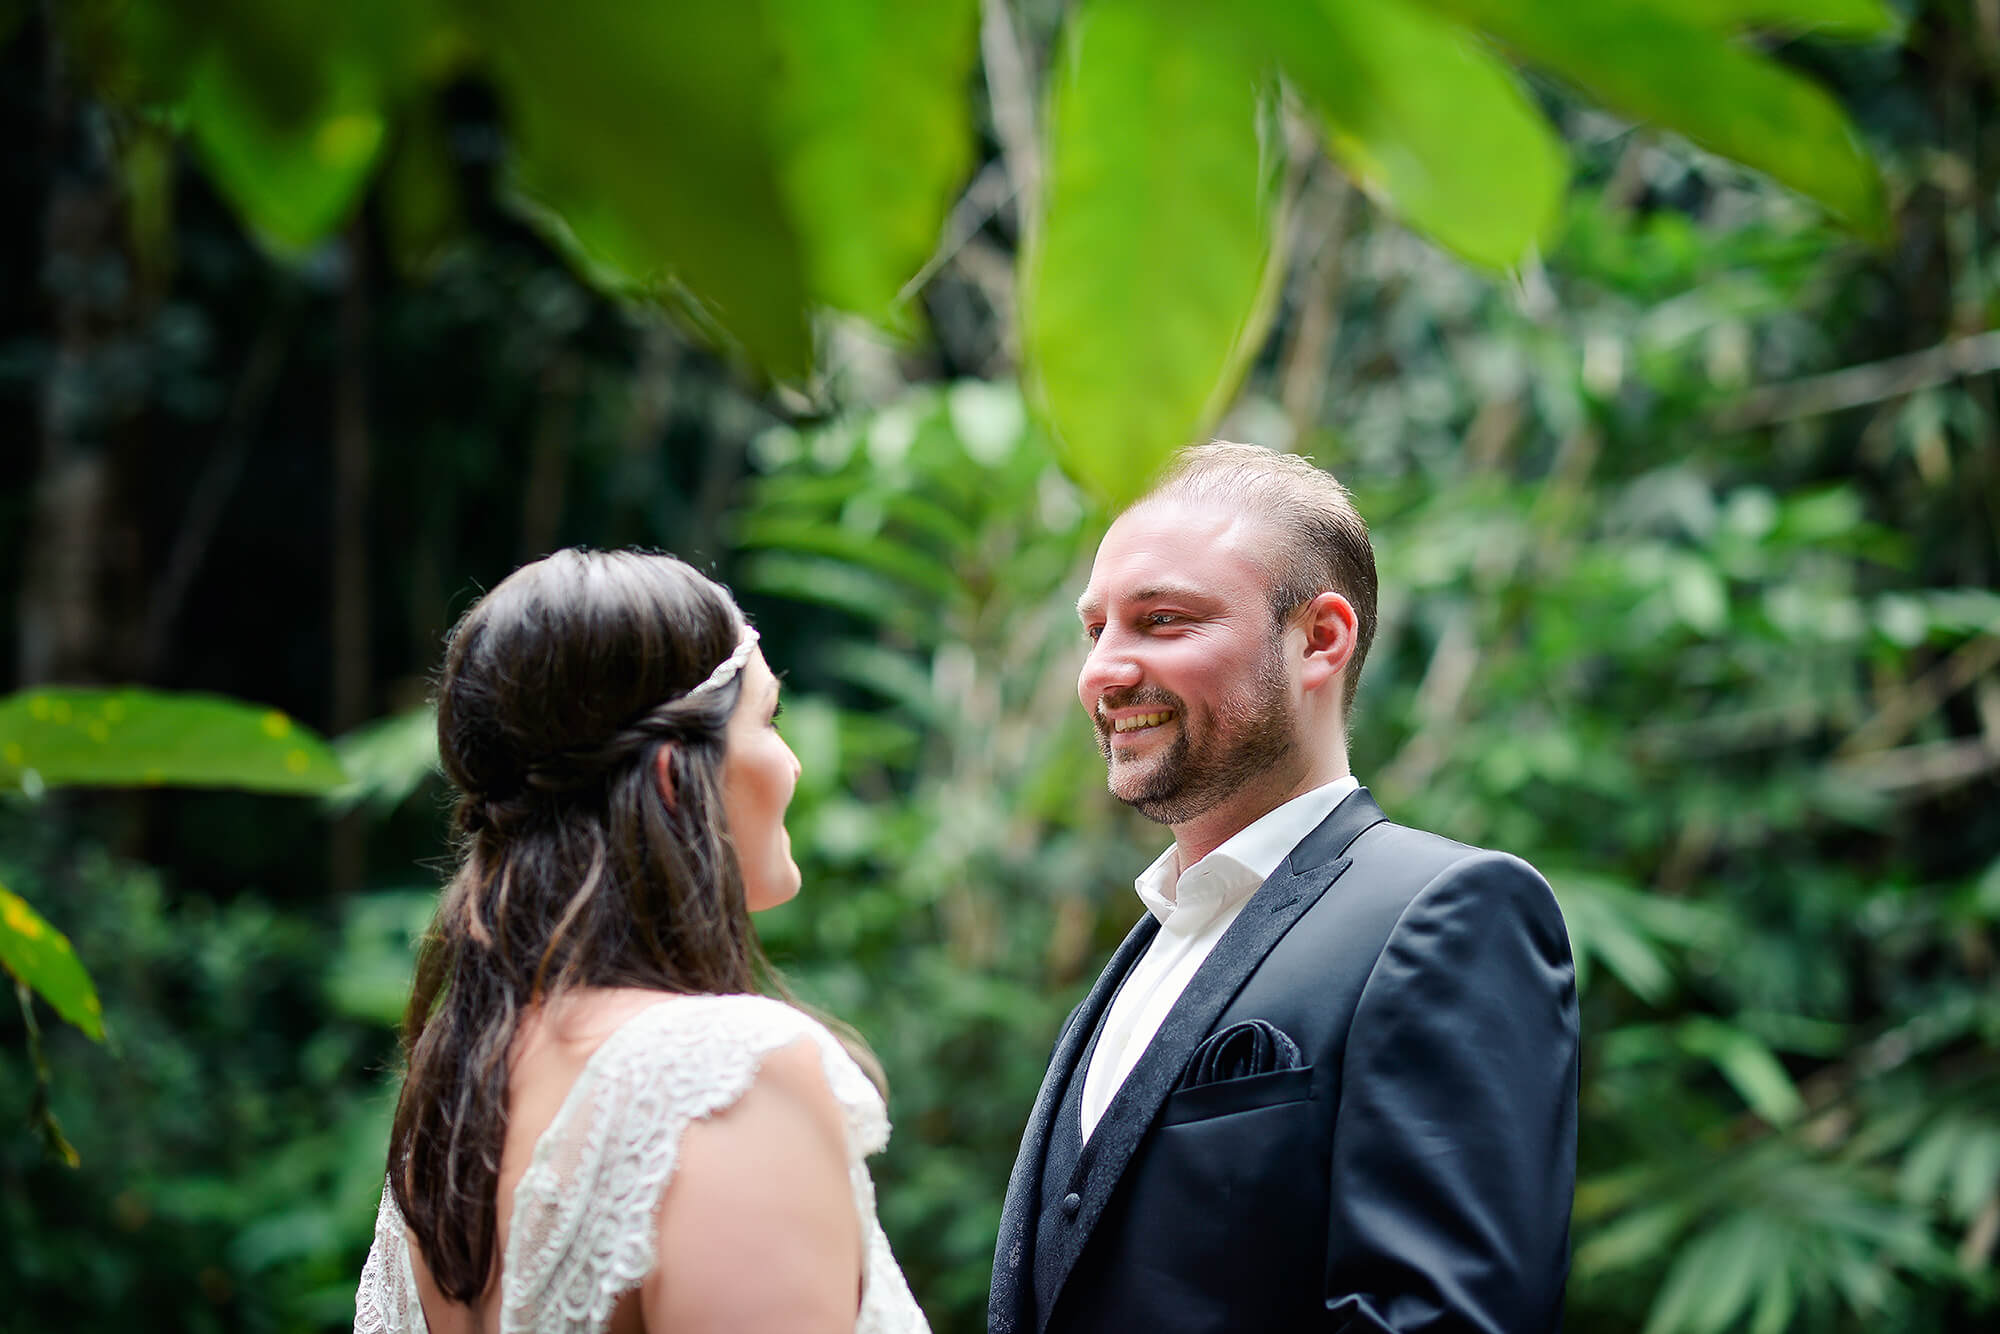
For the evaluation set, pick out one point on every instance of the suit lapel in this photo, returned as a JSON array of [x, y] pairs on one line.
[[1013, 1270], [1293, 888]]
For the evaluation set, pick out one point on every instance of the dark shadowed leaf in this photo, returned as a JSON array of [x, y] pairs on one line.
[[1820, 18], [293, 186], [289, 105], [646, 132], [872, 118]]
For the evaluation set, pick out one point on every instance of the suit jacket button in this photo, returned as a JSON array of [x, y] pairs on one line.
[[1071, 1203]]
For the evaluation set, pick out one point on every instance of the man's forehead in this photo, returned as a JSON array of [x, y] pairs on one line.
[[1177, 548]]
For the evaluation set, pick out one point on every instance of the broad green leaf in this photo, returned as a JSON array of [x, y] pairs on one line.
[[62, 736], [1146, 282], [1425, 118], [1747, 1063], [1648, 62], [873, 125], [644, 131], [41, 957]]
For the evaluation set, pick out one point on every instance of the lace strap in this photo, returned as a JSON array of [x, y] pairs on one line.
[[387, 1302], [582, 1233]]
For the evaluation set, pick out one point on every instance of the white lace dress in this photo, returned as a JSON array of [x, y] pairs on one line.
[[582, 1230]]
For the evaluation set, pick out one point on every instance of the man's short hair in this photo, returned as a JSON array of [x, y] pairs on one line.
[[1323, 541]]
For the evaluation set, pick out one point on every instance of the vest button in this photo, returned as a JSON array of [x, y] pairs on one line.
[[1071, 1203]]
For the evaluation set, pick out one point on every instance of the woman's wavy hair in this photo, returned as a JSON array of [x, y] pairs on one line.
[[558, 689]]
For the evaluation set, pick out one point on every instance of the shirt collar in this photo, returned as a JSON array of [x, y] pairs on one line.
[[1188, 903]]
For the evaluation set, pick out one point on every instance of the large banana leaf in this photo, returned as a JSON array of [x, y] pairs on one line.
[[60, 736]]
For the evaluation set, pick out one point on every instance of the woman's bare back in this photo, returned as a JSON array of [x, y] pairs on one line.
[[551, 1048]]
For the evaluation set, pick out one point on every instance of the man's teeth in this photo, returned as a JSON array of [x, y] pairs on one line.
[[1132, 722]]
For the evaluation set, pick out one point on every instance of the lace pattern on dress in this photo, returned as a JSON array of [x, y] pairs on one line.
[[582, 1230]]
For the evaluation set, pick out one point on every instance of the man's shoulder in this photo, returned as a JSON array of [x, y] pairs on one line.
[[1420, 852], [1396, 862]]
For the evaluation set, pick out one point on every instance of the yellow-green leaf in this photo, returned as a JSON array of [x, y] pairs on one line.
[[41, 957], [60, 736], [1424, 118], [1146, 282]]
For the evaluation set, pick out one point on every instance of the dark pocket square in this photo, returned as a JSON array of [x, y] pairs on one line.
[[1253, 1047]]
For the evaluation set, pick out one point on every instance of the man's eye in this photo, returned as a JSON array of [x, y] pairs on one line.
[[1162, 618], [1091, 632]]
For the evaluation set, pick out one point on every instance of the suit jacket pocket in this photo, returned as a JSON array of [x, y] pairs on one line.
[[1273, 1088]]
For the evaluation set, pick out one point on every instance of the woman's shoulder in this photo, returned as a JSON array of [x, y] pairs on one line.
[[704, 1051], [714, 1022]]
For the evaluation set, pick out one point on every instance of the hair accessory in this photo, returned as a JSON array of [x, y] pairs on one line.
[[729, 666]]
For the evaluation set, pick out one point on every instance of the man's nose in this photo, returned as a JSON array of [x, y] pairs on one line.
[[1109, 666]]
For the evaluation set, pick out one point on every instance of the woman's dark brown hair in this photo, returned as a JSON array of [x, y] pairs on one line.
[[558, 689]]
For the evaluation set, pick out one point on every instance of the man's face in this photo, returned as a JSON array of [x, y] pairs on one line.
[[1187, 680]]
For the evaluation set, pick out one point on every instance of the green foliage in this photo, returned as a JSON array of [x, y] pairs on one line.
[[751, 163], [1715, 656], [229, 1135], [744, 163]]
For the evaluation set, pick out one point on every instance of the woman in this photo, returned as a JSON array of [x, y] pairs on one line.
[[600, 1128]]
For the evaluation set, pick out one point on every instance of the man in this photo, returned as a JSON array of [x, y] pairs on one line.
[[1329, 1080]]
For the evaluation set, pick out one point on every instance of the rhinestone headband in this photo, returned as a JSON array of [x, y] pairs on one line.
[[728, 667]]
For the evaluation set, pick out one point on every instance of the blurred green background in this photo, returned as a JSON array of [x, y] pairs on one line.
[[1684, 483]]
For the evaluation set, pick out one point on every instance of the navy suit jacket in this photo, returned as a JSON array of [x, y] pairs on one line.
[[1416, 1175]]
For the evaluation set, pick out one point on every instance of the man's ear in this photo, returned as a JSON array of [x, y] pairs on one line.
[[1331, 630], [663, 773]]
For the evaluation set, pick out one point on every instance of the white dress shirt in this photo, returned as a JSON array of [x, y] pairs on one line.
[[1194, 909]]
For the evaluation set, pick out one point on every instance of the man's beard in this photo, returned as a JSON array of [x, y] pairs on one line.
[[1252, 733]]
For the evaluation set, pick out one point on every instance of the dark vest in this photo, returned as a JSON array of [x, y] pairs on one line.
[[1062, 1175]]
